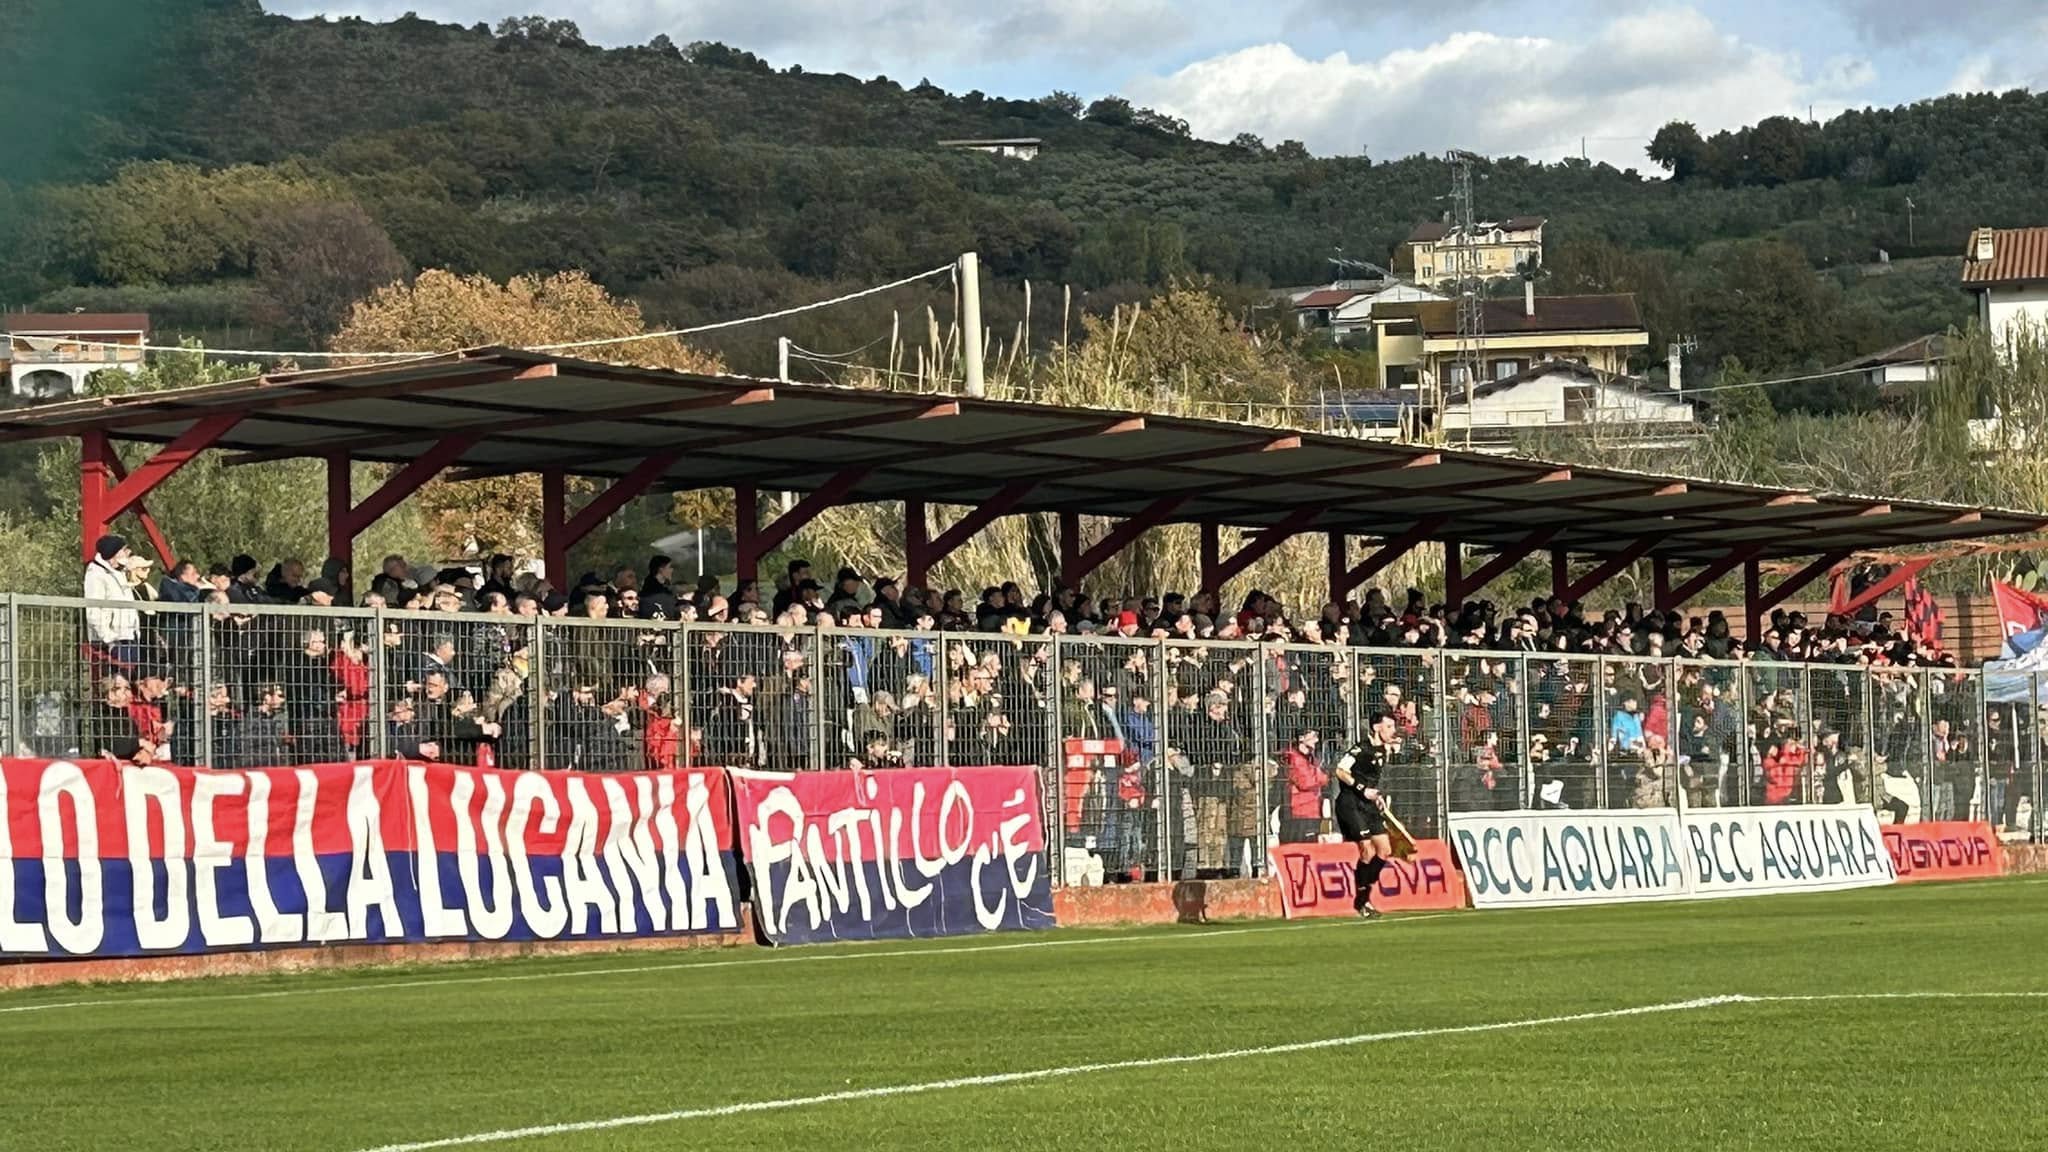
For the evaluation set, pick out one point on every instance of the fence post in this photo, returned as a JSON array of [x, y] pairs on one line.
[[1603, 730], [942, 681], [12, 706], [202, 708], [819, 706], [1262, 751], [1443, 743], [684, 704], [378, 715], [1161, 708], [1524, 700], [2034, 736]]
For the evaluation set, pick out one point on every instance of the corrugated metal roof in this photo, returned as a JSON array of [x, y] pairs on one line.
[[1328, 297], [2018, 255], [501, 411]]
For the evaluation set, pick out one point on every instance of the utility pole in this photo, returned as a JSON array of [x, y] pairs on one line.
[[970, 321], [1909, 222], [782, 359], [1471, 358]]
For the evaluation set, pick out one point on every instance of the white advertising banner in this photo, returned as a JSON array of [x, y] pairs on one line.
[[1530, 859], [1812, 848], [1534, 859]]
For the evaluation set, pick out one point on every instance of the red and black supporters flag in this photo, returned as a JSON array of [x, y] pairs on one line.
[[1923, 615]]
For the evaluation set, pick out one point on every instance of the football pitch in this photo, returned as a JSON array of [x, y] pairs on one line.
[[1912, 1017]]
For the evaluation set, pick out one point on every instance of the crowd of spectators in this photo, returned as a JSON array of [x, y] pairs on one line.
[[1538, 705]]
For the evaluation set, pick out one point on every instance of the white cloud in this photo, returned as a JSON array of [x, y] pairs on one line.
[[2019, 60], [1498, 94]]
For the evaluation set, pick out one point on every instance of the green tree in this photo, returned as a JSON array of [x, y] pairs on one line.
[[314, 261], [1114, 111], [1063, 102], [1777, 150], [1678, 149]]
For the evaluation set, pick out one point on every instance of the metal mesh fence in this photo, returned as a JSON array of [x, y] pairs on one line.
[[1902, 734], [1224, 748], [1568, 730], [1643, 730]]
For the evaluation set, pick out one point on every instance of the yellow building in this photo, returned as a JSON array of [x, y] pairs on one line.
[[1418, 343], [1498, 250]]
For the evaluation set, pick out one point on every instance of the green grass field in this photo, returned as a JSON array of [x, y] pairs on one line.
[[672, 1044]]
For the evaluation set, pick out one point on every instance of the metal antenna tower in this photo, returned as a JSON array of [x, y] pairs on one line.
[[1471, 358]]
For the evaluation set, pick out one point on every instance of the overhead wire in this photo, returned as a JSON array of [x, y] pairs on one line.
[[776, 315], [296, 354]]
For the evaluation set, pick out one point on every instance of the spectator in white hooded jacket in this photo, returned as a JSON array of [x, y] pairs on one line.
[[111, 630]]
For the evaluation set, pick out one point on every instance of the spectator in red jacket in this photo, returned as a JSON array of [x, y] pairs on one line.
[[1306, 781], [1784, 763]]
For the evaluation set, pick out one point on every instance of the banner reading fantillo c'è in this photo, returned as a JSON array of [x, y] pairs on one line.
[[1531, 859], [900, 852], [105, 859], [1792, 848]]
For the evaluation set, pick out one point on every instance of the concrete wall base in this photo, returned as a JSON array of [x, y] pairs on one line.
[[140, 969], [2025, 859], [1185, 902]]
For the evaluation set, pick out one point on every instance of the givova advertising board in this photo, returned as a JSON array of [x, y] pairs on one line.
[[106, 859], [1523, 859], [859, 855], [1316, 880], [1607, 856]]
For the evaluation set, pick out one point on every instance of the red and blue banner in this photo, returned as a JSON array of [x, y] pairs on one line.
[[106, 859], [897, 853]]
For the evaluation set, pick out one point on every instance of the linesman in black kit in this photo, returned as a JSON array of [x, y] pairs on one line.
[[1361, 811]]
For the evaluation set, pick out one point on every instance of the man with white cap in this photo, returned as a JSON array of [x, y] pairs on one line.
[[111, 630]]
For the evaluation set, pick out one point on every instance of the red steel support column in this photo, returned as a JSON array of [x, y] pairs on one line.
[[1607, 570], [921, 550], [757, 540], [341, 500], [1340, 568], [1454, 578], [1507, 558], [746, 530], [351, 522], [1752, 602], [1561, 574], [1218, 571], [917, 544], [1674, 597], [554, 513], [166, 559], [106, 489], [1660, 583], [561, 531], [1798, 580], [1070, 546], [1343, 580], [93, 482], [1075, 565]]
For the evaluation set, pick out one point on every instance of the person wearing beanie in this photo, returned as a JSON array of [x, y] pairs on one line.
[[242, 586], [111, 630]]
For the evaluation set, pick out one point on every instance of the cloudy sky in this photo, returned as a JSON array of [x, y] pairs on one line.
[[1541, 78]]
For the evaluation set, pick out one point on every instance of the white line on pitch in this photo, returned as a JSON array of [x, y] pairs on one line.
[[509, 1134], [505, 1135], [690, 965]]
